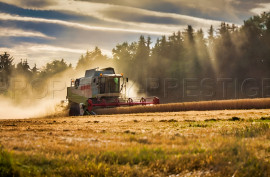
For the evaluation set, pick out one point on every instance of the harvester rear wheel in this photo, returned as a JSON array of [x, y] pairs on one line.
[[74, 109]]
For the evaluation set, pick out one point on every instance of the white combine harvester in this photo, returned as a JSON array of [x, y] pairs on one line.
[[100, 88]]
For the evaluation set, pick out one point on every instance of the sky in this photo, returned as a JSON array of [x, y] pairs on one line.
[[44, 30]]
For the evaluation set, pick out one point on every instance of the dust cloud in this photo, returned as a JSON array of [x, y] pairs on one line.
[[36, 98], [35, 109]]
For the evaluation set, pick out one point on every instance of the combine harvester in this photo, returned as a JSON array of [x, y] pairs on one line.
[[101, 88]]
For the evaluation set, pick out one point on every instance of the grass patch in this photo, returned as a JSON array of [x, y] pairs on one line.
[[163, 121], [132, 156], [265, 118], [211, 120], [190, 121], [129, 132], [171, 120], [40, 165], [7, 167], [197, 124], [235, 119], [225, 160], [141, 140], [222, 159], [250, 131]]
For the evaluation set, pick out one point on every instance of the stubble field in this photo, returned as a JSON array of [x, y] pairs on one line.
[[191, 143]]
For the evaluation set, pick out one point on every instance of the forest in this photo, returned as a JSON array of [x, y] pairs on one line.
[[225, 63]]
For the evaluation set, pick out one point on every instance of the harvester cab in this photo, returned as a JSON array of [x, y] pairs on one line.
[[99, 88]]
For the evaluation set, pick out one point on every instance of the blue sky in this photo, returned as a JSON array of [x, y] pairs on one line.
[[44, 30]]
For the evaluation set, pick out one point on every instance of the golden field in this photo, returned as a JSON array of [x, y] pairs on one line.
[[190, 143]]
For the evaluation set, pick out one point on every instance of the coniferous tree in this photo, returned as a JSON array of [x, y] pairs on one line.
[[91, 60], [141, 60], [6, 68]]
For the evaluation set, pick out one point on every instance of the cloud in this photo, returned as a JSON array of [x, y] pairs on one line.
[[139, 16], [134, 19], [53, 49], [124, 15], [30, 3], [106, 12], [48, 14], [101, 11], [40, 54], [263, 7], [9, 32], [234, 11], [75, 25], [222, 10], [117, 18]]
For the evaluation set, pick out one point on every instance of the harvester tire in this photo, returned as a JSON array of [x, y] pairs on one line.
[[74, 109]]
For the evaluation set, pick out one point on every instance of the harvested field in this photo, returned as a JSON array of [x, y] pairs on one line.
[[190, 143], [258, 103]]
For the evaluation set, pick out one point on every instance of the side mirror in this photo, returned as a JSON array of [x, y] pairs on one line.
[[127, 79]]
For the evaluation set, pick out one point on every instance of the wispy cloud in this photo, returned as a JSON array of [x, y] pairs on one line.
[[234, 11], [4, 16], [222, 10], [10, 32], [263, 7], [119, 18], [134, 16], [57, 49], [120, 15], [101, 11], [42, 53], [53, 49], [30, 3]]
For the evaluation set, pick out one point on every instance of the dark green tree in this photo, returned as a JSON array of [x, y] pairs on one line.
[[53, 68], [203, 63], [92, 59], [34, 69], [6, 68], [23, 68], [192, 64], [123, 56], [141, 60], [211, 36]]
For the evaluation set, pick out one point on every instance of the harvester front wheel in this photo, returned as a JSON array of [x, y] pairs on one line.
[[74, 109]]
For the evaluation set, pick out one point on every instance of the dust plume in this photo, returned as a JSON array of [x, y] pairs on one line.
[[42, 108], [36, 97]]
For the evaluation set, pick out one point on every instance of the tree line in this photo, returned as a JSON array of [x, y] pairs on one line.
[[228, 56]]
